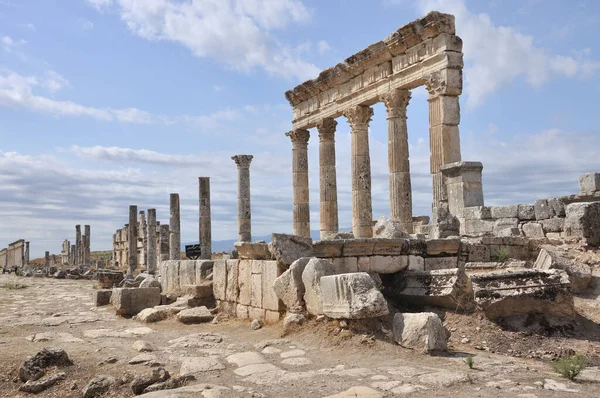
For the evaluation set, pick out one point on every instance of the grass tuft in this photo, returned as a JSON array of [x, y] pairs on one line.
[[469, 361], [14, 286], [570, 366]]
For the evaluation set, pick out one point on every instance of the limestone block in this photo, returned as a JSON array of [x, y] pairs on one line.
[[589, 183], [505, 223], [477, 252], [311, 277], [201, 291], [154, 314], [543, 210], [580, 274], [288, 248], [102, 297], [506, 232], [344, 265], [478, 227], [482, 266], [387, 264], [170, 275], [447, 288], [328, 248], [553, 224], [514, 292], [289, 287], [187, 272], [204, 270], [558, 207], [391, 247], [417, 247], [358, 247], [130, 301], [150, 281], [435, 263], [510, 211], [436, 247], [583, 221], [526, 212], [256, 291], [245, 282], [416, 263], [533, 230], [241, 311], [256, 313], [388, 229], [421, 331], [272, 316], [477, 213], [220, 279], [195, 315], [232, 289], [352, 296], [270, 272], [253, 250]]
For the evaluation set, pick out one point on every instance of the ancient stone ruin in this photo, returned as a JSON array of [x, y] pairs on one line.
[[16, 255]]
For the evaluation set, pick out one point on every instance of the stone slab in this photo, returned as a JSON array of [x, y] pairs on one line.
[[352, 296]]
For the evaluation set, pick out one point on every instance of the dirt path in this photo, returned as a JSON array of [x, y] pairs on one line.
[[239, 362]]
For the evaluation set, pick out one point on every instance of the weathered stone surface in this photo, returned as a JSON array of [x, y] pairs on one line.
[[141, 381], [388, 229], [99, 385], [193, 391], [358, 247], [288, 248], [580, 274], [421, 331], [391, 247], [509, 211], [33, 368], [142, 346], [142, 358], [526, 212], [130, 301], [232, 289], [102, 297], [448, 288], [554, 224], [557, 206], [416, 263], [505, 223], [543, 210], [195, 315], [311, 277], [477, 213], [533, 230], [352, 296], [583, 221], [437, 247], [150, 315], [513, 292], [269, 273], [198, 291], [589, 183], [445, 224], [253, 250], [195, 365], [358, 392], [37, 386], [150, 281], [328, 248], [382, 264], [292, 321], [220, 279], [478, 227], [289, 286]]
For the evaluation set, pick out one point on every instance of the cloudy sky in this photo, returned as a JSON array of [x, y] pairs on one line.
[[107, 103]]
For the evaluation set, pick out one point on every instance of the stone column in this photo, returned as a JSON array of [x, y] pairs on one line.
[[77, 245], [396, 102], [463, 185], [444, 117], [151, 239], [164, 243], [362, 211], [26, 253], [174, 227], [204, 224], [328, 209], [132, 238], [47, 261], [87, 252], [84, 260], [143, 237], [244, 208], [301, 210], [72, 255]]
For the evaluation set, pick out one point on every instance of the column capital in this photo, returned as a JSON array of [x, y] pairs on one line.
[[435, 85], [396, 102], [359, 116], [299, 137], [326, 128], [242, 161]]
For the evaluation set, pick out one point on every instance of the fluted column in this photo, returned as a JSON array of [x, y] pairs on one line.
[[26, 253], [362, 212], [444, 117], [396, 102], [204, 222], [174, 227], [77, 245], [301, 208], [132, 238], [327, 178], [244, 208], [151, 239]]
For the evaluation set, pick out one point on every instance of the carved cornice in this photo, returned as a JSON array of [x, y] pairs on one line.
[[359, 117], [299, 137], [396, 102], [326, 128], [242, 161]]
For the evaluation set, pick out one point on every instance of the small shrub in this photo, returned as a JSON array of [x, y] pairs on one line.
[[570, 366], [502, 254], [469, 361], [14, 286]]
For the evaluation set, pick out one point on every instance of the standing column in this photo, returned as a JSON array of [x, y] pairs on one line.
[[132, 238], [47, 261], [72, 255], [362, 211], [143, 237], [151, 239], [444, 117], [164, 242], [328, 209], [83, 246], [205, 231], [77, 245], [301, 212], [244, 208], [174, 226], [26, 253], [86, 247], [396, 102]]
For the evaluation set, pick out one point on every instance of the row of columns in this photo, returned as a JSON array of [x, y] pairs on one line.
[[81, 253], [444, 117]]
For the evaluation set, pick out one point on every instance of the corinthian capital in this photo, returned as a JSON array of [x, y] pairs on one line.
[[396, 102], [326, 128], [359, 116], [435, 84], [299, 137], [242, 161]]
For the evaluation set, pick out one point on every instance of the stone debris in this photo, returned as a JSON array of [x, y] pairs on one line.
[[253, 250], [256, 324], [130, 301], [195, 315], [583, 221], [289, 287], [155, 314], [142, 358], [311, 278], [580, 274], [288, 248], [193, 391], [195, 365], [358, 392], [421, 331], [141, 382], [99, 385], [39, 385], [102, 297], [352, 296], [292, 321], [33, 368], [142, 346], [388, 229]]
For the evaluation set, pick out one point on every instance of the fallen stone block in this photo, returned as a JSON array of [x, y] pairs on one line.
[[589, 183], [289, 286], [99, 385], [388, 229], [533, 230], [109, 279], [33, 368], [102, 297], [155, 314], [580, 274], [253, 250], [514, 292], [288, 248], [311, 278], [421, 331], [352, 296], [130, 301], [37, 386], [505, 223], [447, 288], [195, 315], [198, 291], [583, 221], [150, 281]]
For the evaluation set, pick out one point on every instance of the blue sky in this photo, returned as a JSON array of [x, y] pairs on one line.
[[106, 103]]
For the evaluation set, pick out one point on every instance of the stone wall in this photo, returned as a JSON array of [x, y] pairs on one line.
[[16, 253], [174, 274], [4, 258]]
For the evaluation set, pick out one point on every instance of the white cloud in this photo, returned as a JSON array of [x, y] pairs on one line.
[[119, 155], [86, 24], [235, 33], [496, 55], [323, 47], [55, 82], [100, 5], [31, 27]]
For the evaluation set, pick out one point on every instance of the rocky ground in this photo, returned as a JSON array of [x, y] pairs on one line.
[[228, 359]]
